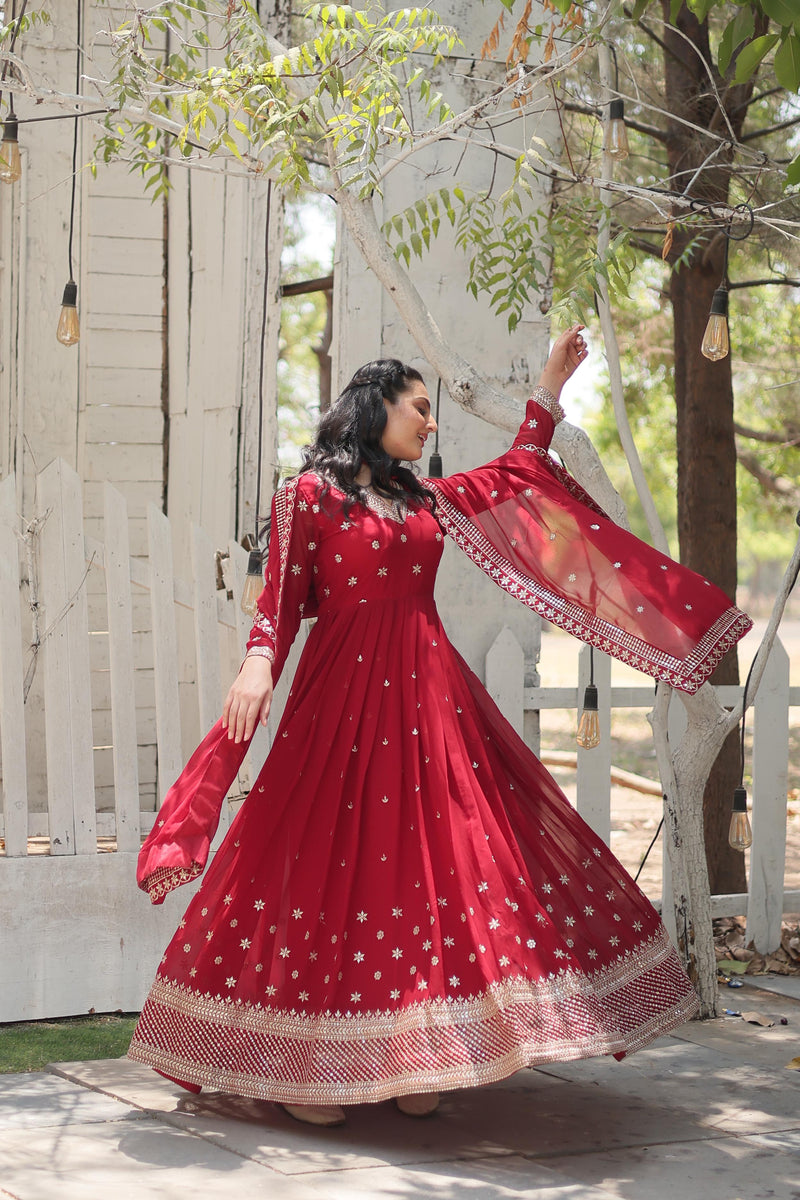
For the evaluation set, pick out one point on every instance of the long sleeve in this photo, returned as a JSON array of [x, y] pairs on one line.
[[176, 850], [534, 530], [288, 594]]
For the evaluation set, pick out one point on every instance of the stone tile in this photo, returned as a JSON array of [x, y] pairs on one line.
[[533, 1113], [726, 1080], [31, 1100], [787, 986], [127, 1081], [504, 1179], [142, 1160], [741, 1168]]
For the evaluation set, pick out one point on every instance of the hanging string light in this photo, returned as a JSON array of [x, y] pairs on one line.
[[254, 580], [615, 142], [588, 735], [69, 327], [435, 460], [716, 343], [10, 161]]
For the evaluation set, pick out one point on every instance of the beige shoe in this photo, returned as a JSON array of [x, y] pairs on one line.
[[418, 1106], [316, 1114]]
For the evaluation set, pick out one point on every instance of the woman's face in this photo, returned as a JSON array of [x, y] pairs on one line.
[[408, 423]]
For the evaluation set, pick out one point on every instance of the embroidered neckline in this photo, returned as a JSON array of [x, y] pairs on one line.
[[382, 506]]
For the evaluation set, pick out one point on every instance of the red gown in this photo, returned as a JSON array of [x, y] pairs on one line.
[[406, 901]]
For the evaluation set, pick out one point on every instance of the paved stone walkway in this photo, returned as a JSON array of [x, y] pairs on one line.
[[710, 1113]]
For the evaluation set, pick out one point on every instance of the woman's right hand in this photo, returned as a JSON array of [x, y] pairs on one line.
[[249, 698]]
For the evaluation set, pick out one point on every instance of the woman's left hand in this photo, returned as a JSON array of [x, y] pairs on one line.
[[569, 351]]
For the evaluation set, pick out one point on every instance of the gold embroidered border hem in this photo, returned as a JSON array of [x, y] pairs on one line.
[[350, 1058]]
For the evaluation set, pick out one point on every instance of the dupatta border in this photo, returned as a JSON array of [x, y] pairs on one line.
[[685, 674]]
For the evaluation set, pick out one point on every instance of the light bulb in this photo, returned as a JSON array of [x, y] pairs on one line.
[[616, 139], [10, 161], [740, 835], [253, 584], [716, 343], [69, 327], [588, 735]]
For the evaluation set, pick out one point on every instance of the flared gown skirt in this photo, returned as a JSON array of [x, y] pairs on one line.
[[406, 902]]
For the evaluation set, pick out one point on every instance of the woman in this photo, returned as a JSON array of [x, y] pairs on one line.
[[406, 903]]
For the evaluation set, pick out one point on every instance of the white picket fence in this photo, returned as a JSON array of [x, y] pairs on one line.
[[75, 933]]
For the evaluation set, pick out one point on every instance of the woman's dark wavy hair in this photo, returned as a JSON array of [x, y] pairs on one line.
[[349, 437]]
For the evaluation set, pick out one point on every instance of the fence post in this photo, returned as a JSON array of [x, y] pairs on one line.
[[770, 780], [12, 704], [121, 670], [165, 650], [65, 653], [505, 678], [594, 766]]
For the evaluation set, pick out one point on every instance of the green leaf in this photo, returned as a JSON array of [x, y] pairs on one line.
[[787, 63], [793, 172], [735, 32], [701, 8], [782, 11], [749, 58], [638, 9], [674, 8]]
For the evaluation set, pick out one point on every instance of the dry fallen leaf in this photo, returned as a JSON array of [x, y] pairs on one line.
[[755, 1018], [794, 1065]]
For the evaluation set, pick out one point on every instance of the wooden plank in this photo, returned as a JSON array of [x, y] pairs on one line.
[[122, 217], [103, 324], [594, 766], [140, 385], [165, 651], [132, 424], [12, 704], [144, 689], [124, 348], [145, 727], [770, 784], [122, 462], [142, 643], [130, 257], [209, 681], [140, 295], [137, 536], [505, 677], [65, 651], [137, 496], [104, 776], [121, 664]]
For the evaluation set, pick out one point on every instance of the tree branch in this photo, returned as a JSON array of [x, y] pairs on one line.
[[589, 111], [746, 283], [757, 133], [772, 484], [787, 439]]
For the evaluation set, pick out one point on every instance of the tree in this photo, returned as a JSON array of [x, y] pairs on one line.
[[343, 108]]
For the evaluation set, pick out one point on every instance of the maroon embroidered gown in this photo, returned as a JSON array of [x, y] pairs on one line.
[[406, 902]]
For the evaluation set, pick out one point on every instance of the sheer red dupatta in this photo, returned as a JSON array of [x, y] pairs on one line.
[[176, 850], [533, 530]]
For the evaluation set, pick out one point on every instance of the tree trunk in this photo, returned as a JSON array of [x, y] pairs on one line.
[[703, 390]]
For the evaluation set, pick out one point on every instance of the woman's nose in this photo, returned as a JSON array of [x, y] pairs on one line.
[[431, 424]]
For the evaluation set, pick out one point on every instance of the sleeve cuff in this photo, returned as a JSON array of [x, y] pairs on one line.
[[546, 400], [261, 652]]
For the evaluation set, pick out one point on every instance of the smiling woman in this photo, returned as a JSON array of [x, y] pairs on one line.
[[407, 903]]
